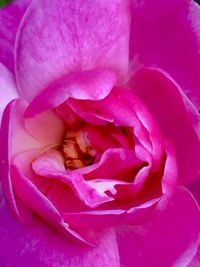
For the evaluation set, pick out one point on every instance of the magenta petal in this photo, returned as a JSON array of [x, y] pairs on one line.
[[10, 17], [194, 188], [41, 246], [161, 95], [155, 40], [195, 262], [57, 38], [51, 165], [8, 90], [90, 84], [170, 238]]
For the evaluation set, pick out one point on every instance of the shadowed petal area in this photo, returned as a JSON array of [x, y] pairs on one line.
[[39, 245], [8, 90], [170, 238], [10, 17], [70, 36], [161, 96], [166, 34]]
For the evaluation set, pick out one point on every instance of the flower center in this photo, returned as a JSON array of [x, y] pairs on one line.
[[77, 150]]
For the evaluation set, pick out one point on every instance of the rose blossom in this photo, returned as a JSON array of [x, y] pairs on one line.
[[99, 133]]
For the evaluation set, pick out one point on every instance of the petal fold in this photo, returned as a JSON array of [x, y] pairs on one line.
[[57, 38], [162, 97]]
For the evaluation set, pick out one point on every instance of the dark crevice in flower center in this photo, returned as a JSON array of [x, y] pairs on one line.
[[78, 151]]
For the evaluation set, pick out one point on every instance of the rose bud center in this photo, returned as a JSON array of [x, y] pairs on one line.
[[77, 150]]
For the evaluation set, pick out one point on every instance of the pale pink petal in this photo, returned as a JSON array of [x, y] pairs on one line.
[[57, 38], [90, 84], [161, 96], [13, 139], [39, 245], [165, 34], [8, 90], [46, 127], [170, 238], [10, 18]]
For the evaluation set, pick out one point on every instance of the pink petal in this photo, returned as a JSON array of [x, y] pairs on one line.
[[161, 95], [10, 18], [90, 84], [148, 122], [13, 139], [107, 167], [46, 127], [165, 34], [98, 219], [39, 245], [25, 185], [170, 238], [194, 188], [51, 165], [57, 38], [8, 90], [196, 260]]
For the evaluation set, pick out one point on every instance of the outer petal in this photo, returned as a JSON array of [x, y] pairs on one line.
[[13, 139], [166, 34], [10, 17], [58, 37], [196, 260], [161, 95], [39, 245], [169, 239], [8, 90]]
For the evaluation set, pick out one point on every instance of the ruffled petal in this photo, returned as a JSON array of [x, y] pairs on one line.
[[57, 38], [161, 96], [165, 34], [90, 84], [51, 165], [170, 238]]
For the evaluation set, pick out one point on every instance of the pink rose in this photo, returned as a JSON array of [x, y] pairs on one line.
[[99, 133]]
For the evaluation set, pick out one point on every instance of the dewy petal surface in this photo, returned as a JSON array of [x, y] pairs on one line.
[[10, 17], [39, 245], [170, 238], [161, 96], [59, 37], [166, 34]]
